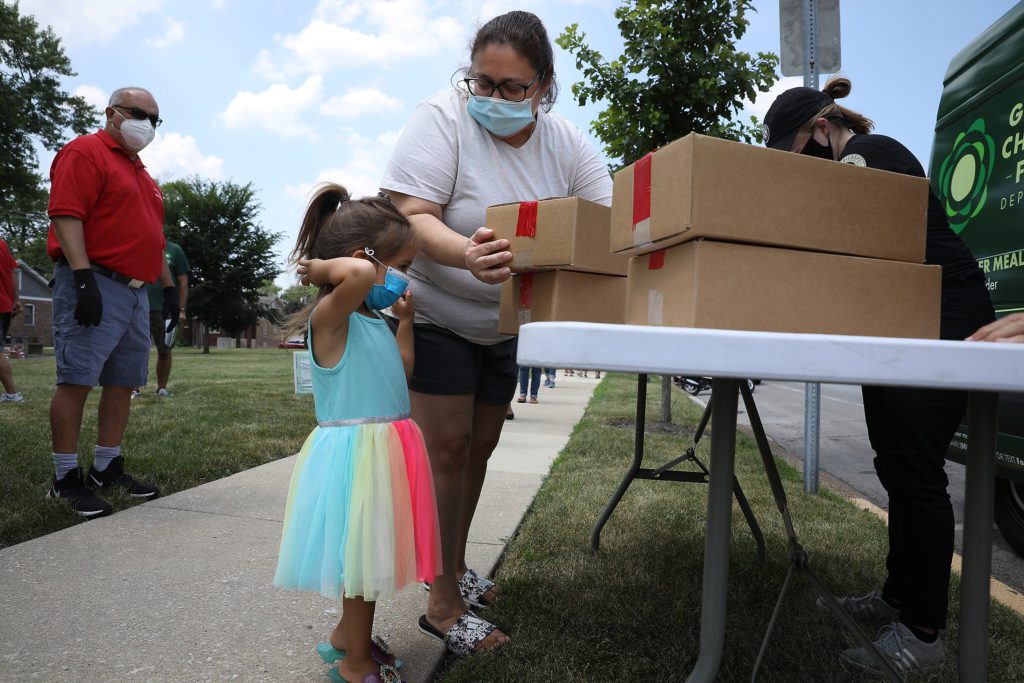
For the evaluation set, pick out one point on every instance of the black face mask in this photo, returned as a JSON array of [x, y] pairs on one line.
[[813, 148]]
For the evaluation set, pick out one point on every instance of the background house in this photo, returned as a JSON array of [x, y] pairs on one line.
[[33, 329]]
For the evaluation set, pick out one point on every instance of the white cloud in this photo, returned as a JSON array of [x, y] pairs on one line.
[[277, 108], [175, 156], [361, 175], [84, 23], [359, 101], [94, 95], [175, 32], [363, 32]]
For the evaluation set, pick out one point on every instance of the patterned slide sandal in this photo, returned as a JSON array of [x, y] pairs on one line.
[[378, 650], [385, 674], [473, 587], [464, 635]]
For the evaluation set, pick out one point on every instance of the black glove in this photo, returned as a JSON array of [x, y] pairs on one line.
[[171, 309], [89, 309]]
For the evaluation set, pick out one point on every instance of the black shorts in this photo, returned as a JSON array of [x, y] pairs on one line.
[[447, 364], [5, 324]]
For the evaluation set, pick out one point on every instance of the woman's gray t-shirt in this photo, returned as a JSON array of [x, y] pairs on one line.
[[444, 156]]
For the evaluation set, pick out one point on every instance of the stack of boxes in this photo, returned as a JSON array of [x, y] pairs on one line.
[[731, 236], [563, 264]]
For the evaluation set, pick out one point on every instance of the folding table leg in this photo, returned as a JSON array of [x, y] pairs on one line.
[[716, 544], [977, 567], [638, 456]]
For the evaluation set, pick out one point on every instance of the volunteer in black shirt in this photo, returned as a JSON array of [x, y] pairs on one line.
[[909, 429]]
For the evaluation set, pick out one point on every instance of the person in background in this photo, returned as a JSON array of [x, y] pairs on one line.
[[490, 140], [180, 272], [106, 238], [549, 378], [909, 429], [10, 306], [529, 379]]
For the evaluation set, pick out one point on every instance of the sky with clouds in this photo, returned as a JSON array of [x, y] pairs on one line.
[[289, 93]]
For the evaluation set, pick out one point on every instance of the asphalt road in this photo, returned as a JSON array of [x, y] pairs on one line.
[[844, 453]]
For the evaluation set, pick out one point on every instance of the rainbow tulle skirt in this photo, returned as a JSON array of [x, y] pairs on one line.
[[361, 517]]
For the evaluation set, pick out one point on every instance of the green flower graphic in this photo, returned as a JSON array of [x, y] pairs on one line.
[[964, 174]]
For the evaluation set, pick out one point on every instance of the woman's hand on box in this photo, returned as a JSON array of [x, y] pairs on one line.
[[487, 258]]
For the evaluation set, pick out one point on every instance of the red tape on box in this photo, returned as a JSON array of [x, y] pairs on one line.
[[656, 260], [642, 196], [526, 289], [526, 226]]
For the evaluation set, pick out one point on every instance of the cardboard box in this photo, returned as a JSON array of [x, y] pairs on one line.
[[560, 296], [741, 287], [567, 233], [700, 186]]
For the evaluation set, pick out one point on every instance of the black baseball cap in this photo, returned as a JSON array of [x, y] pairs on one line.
[[789, 112]]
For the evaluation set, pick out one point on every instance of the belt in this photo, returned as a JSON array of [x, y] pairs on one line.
[[113, 275]]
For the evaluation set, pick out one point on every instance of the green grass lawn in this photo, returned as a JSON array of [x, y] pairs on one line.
[[231, 410], [632, 612]]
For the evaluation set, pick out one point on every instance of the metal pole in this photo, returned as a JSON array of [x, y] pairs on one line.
[[812, 391], [812, 424]]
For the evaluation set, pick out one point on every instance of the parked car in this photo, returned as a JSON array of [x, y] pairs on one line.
[[293, 343]]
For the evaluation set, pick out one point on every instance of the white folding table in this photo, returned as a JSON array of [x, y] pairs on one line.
[[983, 369]]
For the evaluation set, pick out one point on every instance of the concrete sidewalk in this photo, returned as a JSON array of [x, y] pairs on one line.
[[180, 589]]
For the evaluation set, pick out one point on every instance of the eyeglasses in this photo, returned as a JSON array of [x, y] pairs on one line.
[[139, 114], [513, 92]]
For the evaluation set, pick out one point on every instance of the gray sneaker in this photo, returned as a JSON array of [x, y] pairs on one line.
[[870, 606], [901, 648], [16, 397]]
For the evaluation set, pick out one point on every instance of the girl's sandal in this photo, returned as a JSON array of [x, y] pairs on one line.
[[378, 650]]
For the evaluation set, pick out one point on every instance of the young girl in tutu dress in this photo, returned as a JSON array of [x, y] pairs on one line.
[[361, 520]]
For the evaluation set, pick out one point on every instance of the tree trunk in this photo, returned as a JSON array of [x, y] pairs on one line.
[[666, 398], [206, 337]]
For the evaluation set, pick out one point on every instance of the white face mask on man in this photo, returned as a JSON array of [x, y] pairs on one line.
[[137, 133]]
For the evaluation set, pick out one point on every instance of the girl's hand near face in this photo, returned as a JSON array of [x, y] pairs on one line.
[[404, 308]]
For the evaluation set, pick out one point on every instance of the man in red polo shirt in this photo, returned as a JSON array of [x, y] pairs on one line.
[[106, 237], [10, 306]]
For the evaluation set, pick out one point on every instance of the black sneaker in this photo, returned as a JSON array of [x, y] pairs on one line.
[[114, 476], [81, 500]]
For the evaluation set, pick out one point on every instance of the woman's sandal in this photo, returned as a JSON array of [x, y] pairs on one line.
[[385, 674], [378, 650], [472, 586], [464, 635]]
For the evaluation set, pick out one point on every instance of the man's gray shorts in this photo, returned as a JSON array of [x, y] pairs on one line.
[[113, 353]]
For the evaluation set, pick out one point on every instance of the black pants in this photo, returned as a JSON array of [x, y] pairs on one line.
[[910, 430]]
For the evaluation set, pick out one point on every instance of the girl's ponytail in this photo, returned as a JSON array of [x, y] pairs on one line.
[[323, 205]]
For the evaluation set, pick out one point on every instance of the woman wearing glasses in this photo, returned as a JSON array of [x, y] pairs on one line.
[[490, 140]]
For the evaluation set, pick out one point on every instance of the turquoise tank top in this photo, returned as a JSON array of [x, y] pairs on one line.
[[368, 384]]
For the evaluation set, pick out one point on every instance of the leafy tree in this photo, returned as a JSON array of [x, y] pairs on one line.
[[231, 254], [680, 73], [33, 109]]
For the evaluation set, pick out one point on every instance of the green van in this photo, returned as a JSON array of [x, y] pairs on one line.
[[977, 170]]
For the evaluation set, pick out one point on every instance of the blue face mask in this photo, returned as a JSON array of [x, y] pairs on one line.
[[383, 296], [499, 116]]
